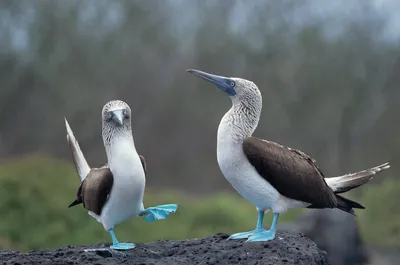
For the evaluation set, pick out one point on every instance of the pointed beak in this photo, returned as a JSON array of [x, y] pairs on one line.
[[118, 117], [226, 84]]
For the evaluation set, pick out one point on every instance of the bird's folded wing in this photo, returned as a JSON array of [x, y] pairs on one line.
[[81, 165], [96, 189], [291, 172]]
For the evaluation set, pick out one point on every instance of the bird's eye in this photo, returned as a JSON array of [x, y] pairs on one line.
[[232, 83], [110, 115], [126, 113]]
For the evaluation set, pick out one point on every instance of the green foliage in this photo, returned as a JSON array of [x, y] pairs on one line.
[[35, 192], [380, 223]]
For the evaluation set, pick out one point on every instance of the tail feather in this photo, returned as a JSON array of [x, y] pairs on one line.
[[80, 162], [348, 205], [353, 180], [76, 202]]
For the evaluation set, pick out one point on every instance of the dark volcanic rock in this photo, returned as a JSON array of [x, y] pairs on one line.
[[333, 231], [287, 248]]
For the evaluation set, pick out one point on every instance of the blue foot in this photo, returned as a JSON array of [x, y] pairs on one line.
[[245, 234], [265, 235], [123, 246], [259, 234], [119, 246], [158, 212]]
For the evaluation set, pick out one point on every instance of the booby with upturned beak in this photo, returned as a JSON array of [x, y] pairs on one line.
[[114, 192], [269, 175]]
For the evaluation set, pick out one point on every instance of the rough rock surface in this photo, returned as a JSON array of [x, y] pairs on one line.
[[334, 231], [287, 248]]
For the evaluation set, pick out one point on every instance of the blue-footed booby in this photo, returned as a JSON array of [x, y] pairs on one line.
[[114, 193], [269, 175]]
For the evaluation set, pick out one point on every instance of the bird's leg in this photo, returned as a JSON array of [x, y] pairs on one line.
[[158, 212], [115, 245], [266, 235], [259, 228], [119, 246]]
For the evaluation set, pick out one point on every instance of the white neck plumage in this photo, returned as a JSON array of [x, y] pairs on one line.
[[240, 121], [119, 147]]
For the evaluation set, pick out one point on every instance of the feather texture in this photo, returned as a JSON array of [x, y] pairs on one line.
[[350, 181], [95, 189], [291, 172], [80, 162]]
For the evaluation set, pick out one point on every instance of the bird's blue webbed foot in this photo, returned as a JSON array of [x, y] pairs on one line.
[[264, 235], [123, 246], [259, 234], [119, 246], [259, 228], [158, 212], [245, 234]]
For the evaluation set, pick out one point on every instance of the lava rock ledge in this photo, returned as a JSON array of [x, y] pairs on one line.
[[287, 248]]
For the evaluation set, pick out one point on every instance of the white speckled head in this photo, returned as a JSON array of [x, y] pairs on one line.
[[239, 89], [116, 117], [246, 92], [246, 101]]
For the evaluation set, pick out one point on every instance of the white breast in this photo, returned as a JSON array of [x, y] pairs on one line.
[[240, 173], [126, 198]]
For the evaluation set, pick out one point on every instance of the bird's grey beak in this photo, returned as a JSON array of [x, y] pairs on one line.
[[118, 117], [226, 84]]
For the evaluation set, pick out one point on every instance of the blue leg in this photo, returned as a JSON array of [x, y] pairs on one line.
[[159, 212], [266, 235], [119, 246], [259, 228]]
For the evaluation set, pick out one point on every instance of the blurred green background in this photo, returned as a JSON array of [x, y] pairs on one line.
[[329, 73]]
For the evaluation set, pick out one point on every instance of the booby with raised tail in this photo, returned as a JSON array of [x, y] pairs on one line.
[[269, 175], [114, 192]]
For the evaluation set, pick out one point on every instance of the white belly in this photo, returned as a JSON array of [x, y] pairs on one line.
[[126, 197], [244, 178]]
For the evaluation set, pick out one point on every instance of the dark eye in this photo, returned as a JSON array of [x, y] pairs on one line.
[[232, 83], [126, 113], [110, 115]]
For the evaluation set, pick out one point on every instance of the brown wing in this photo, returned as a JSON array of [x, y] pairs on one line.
[[143, 163], [95, 189], [291, 172]]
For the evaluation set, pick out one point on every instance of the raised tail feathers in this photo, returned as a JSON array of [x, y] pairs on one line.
[[350, 181], [80, 162]]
